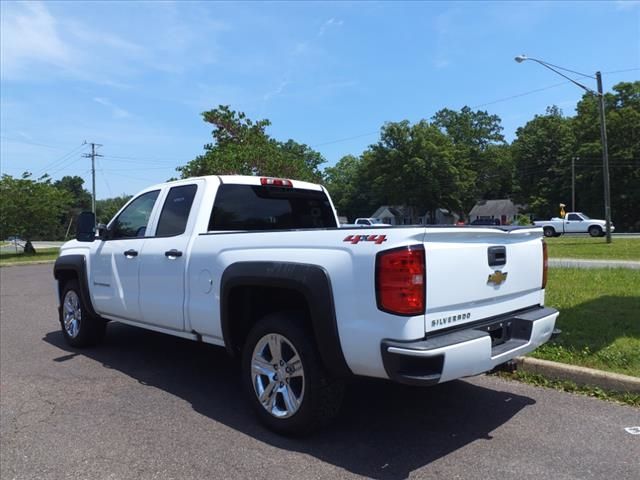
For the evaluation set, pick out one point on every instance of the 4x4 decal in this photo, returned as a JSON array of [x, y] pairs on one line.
[[377, 239]]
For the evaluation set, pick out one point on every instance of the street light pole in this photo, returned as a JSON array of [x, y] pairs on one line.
[[605, 159], [603, 130]]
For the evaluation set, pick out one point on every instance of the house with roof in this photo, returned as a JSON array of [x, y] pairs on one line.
[[504, 210], [405, 215]]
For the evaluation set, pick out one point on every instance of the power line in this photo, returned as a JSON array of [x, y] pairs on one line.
[[13, 140], [60, 160], [504, 99], [64, 167], [148, 162], [140, 158], [104, 178], [137, 169]]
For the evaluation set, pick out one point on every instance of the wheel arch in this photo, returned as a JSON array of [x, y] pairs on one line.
[[68, 267], [250, 288]]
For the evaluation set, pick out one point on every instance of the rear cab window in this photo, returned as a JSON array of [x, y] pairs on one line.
[[258, 207], [175, 211]]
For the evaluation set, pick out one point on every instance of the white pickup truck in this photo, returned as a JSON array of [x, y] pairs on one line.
[[260, 267], [573, 222]]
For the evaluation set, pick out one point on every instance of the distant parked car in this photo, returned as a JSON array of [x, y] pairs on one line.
[[486, 221], [14, 239], [366, 222]]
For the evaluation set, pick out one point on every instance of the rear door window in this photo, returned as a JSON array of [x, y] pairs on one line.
[[252, 207], [175, 211]]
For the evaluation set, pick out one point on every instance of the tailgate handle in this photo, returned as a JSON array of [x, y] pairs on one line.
[[497, 256]]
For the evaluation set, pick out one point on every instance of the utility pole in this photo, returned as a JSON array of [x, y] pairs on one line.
[[603, 129], [93, 156], [605, 158], [573, 184]]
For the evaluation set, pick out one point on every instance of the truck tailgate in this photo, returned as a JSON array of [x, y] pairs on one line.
[[478, 273]]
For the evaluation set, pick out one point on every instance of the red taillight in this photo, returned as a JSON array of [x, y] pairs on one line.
[[276, 182], [545, 264], [400, 280]]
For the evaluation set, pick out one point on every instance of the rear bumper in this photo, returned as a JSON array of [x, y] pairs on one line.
[[470, 351]]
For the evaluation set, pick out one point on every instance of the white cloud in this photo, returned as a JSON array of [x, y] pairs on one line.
[[332, 22], [444, 28], [627, 5], [36, 45], [31, 35], [278, 90], [116, 111]]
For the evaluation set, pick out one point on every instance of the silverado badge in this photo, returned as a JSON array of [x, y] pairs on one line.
[[497, 277]]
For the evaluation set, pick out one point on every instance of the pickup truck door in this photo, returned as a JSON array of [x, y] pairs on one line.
[[164, 258], [573, 224], [114, 264]]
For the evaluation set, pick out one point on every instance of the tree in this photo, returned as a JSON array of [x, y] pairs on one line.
[[349, 190], [80, 200], [242, 146], [107, 208], [31, 209], [480, 148], [415, 165], [622, 108], [542, 153]]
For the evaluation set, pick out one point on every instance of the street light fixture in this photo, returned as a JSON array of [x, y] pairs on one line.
[[603, 128]]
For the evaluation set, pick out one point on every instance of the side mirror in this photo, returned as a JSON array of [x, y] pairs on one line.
[[86, 227]]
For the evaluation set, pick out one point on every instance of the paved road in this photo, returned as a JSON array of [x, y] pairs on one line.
[[583, 263], [146, 405], [11, 247]]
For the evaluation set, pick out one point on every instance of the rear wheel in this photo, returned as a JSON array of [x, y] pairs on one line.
[[284, 378], [549, 232], [79, 327], [595, 231]]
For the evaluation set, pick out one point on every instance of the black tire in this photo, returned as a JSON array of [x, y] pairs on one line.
[[595, 231], [90, 328], [322, 396], [549, 232]]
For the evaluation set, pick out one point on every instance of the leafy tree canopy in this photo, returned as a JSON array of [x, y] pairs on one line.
[[32, 209], [242, 146], [415, 165], [107, 208]]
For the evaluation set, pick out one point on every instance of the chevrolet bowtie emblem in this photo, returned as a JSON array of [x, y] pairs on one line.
[[497, 277]]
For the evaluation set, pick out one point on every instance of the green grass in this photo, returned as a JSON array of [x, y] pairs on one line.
[[594, 248], [40, 255], [627, 398], [599, 319]]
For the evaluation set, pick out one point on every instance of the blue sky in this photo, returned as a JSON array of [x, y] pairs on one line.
[[136, 76]]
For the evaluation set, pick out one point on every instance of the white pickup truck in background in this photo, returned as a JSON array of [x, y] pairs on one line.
[[366, 222], [259, 266], [573, 222]]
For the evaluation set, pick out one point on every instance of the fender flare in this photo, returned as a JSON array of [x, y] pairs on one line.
[[78, 265], [311, 281]]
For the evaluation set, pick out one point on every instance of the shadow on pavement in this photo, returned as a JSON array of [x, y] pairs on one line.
[[384, 431]]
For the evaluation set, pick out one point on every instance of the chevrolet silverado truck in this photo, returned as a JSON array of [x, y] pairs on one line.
[[573, 222], [260, 267]]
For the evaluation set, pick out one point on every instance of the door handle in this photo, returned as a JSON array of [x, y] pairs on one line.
[[173, 253], [131, 253]]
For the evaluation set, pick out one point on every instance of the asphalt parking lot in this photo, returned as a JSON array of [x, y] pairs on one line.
[[146, 405]]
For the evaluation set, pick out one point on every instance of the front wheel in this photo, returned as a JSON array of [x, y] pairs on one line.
[[79, 327], [595, 231], [284, 377]]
